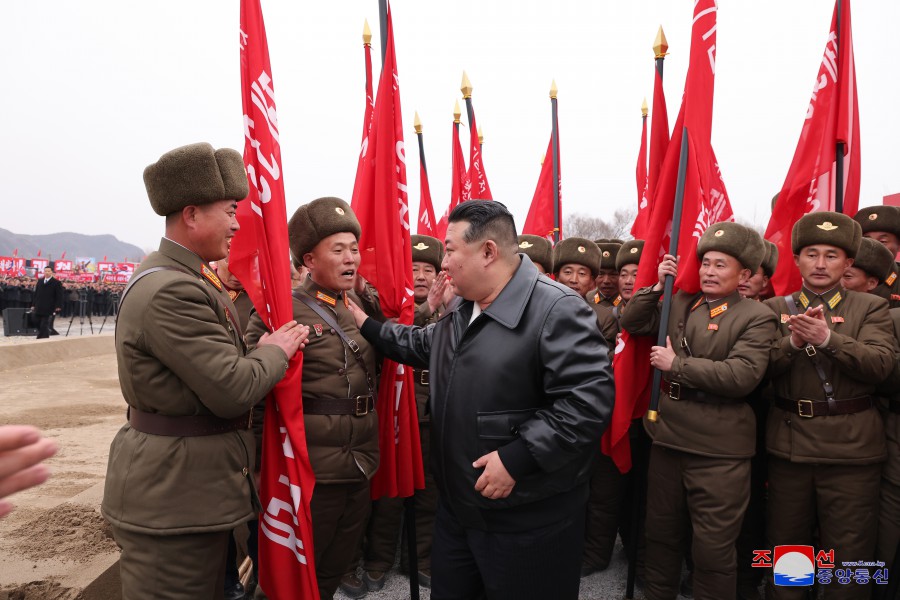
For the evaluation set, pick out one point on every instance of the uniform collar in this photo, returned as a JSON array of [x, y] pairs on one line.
[[318, 292], [191, 260], [830, 299]]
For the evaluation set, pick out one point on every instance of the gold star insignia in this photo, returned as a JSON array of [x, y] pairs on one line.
[[634, 250], [873, 216], [582, 249], [719, 233], [339, 210]]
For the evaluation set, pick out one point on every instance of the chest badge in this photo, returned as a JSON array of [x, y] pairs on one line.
[[713, 327], [318, 329], [837, 320], [785, 318]]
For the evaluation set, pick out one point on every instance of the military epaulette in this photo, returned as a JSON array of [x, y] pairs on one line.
[[699, 301], [804, 301], [211, 276], [597, 298], [891, 279], [835, 300], [329, 300], [718, 310], [617, 301]]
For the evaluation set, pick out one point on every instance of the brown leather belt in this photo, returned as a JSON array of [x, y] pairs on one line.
[[357, 406], [894, 405], [187, 425], [678, 392], [822, 408], [422, 376]]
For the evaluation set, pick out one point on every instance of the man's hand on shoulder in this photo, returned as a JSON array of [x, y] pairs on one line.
[[495, 482], [290, 337]]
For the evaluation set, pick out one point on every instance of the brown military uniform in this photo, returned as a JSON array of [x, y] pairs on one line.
[[175, 496], [383, 528], [893, 284], [595, 297], [825, 469], [889, 515], [343, 448], [704, 438]]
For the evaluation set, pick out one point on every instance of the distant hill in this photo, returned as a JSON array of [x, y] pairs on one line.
[[52, 245]]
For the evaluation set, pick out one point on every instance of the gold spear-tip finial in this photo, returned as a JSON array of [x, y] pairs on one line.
[[543, 157], [480, 136], [466, 86], [456, 112], [367, 33], [417, 123], [644, 108], [553, 89], [660, 45]]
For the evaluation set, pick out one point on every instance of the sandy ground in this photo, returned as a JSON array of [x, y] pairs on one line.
[[56, 534], [56, 540]]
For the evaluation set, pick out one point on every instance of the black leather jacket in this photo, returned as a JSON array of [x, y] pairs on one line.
[[530, 378]]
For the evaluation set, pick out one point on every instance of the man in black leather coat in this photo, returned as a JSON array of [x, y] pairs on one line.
[[521, 392]]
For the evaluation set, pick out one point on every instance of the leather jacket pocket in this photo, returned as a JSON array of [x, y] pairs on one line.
[[498, 428]]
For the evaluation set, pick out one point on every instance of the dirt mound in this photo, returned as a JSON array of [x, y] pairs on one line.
[[62, 417], [39, 590], [68, 532]]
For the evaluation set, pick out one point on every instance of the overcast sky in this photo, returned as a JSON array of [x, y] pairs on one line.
[[98, 89]]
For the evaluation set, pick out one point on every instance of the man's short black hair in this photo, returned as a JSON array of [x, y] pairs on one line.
[[488, 219]]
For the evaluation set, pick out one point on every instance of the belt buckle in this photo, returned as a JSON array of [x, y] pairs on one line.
[[674, 390], [353, 345], [810, 350], [365, 406], [800, 405], [424, 377]]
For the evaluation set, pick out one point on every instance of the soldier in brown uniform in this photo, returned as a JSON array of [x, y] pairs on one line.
[[627, 261], [338, 385], [873, 264], [236, 292], [384, 525], [539, 250], [757, 286], [179, 480], [715, 356], [575, 265], [607, 280], [882, 224], [824, 435]]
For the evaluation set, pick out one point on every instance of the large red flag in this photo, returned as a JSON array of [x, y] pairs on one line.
[[540, 214], [383, 213], [631, 363], [457, 183], [811, 182], [260, 259], [642, 180], [427, 224], [367, 117], [476, 184], [659, 144]]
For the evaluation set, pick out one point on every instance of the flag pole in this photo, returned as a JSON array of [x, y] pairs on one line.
[[480, 141], [382, 19], [555, 158], [653, 411], [466, 89], [839, 146], [417, 123]]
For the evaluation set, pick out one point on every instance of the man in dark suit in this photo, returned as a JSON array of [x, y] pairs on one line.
[[48, 299]]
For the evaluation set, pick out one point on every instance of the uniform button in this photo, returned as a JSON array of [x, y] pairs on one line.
[[244, 471], [331, 331], [514, 430], [341, 371]]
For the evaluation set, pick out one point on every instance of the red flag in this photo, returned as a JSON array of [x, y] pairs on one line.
[[16, 252], [457, 182], [259, 257], [476, 183], [61, 257], [832, 117], [383, 214], [637, 229], [539, 220], [427, 224], [39, 254], [631, 364], [659, 132], [367, 124]]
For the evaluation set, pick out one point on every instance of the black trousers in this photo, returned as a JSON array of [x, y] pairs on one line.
[[468, 564], [43, 326]]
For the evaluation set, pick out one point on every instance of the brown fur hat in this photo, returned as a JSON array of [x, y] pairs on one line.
[[879, 218], [608, 252], [735, 240], [579, 251], [315, 221], [538, 249], [874, 258], [770, 262], [829, 228], [629, 253], [427, 249], [193, 175]]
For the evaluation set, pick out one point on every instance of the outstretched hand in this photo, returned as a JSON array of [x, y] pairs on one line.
[[22, 448]]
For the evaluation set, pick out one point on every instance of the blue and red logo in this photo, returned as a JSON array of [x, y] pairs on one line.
[[794, 565]]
